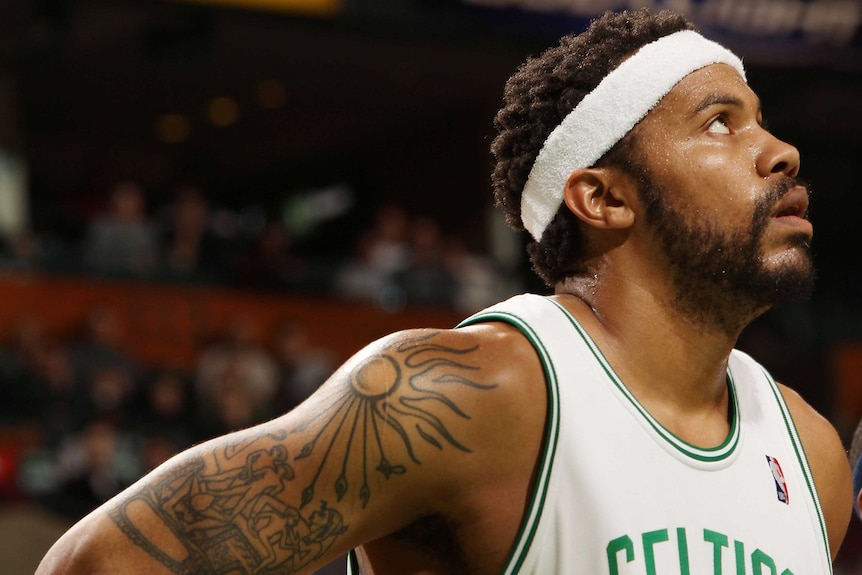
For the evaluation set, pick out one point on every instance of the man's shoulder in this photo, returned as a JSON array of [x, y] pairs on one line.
[[828, 462], [476, 378], [493, 350], [805, 416]]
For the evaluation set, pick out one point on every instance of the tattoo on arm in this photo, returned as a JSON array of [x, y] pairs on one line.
[[406, 396], [232, 511], [228, 517]]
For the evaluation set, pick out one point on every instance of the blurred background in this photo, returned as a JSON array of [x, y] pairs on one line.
[[206, 206]]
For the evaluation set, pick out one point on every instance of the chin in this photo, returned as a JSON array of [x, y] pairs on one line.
[[794, 284], [788, 277]]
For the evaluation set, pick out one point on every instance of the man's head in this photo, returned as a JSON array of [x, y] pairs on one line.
[[537, 98], [709, 179]]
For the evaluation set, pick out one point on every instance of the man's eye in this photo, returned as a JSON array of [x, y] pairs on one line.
[[719, 126]]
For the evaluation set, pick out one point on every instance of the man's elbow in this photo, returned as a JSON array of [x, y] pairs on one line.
[[73, 553]]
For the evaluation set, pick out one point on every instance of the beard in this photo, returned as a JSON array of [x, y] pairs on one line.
[[720, 275]]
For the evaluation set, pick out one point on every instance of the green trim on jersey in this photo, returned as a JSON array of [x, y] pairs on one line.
[[705, 455], [531, 520], [802, 459]]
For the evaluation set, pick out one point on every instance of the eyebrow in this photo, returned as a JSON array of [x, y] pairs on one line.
[[720, 98]]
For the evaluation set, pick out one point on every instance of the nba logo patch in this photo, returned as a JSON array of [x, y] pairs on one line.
[[780, 483]]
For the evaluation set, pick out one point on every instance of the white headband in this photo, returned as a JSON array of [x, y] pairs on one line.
[[608, 113]]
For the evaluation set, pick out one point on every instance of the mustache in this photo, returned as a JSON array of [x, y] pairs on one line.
[[781, 187], [774, 193]]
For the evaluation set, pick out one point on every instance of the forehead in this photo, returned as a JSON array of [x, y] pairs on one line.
[[716, 82]]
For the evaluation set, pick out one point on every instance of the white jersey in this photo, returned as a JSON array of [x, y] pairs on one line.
[[618, 494]]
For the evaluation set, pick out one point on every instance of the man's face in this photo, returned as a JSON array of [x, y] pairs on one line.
[[723, 201]]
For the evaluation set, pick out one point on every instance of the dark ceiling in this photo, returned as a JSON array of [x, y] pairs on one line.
[[93, 80]]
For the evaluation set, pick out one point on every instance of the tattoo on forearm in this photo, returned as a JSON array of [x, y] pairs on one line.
[[231, 510], [228, 519], [396, 390]]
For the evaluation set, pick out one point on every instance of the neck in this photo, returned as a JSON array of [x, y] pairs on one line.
[[676, 367], [622, 304]]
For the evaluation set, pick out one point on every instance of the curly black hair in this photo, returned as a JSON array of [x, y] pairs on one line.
[[536, 99]]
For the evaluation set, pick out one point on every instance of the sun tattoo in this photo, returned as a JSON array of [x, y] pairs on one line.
[[400, 389]]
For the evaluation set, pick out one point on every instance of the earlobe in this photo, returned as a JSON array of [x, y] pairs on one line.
[[596, 198]]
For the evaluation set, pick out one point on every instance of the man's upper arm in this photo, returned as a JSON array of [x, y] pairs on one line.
[[828, 461], [370, 452]]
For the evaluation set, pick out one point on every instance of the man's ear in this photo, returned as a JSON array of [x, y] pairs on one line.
[[600, 198]]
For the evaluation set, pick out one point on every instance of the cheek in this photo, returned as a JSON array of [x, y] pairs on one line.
[[723, 185]]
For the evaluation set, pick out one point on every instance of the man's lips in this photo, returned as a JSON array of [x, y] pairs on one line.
[[793, 204], [792, 210]]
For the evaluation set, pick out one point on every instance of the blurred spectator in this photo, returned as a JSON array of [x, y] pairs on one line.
[[21, 251], [39, 381], [382, 252], [122, 241], [166, 411], [359, 278], [229, 405], [156, 448], [390, 248], [478, 282], [302, 366], [270, 262], [108, 394], [191, 251], [98, 347], [426, 279], [240, 355], [91, 467]]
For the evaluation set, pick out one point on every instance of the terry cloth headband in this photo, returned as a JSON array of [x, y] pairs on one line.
[[608, 113]]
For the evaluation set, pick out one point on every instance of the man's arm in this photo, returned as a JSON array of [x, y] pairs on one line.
[[374, 449], [828, 462]]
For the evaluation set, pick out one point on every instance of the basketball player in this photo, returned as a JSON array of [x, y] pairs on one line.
[[610, 428]]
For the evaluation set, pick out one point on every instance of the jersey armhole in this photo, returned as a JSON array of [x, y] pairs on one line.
[[530, 522]]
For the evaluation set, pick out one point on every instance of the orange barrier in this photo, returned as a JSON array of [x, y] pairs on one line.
[[166, 325]]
